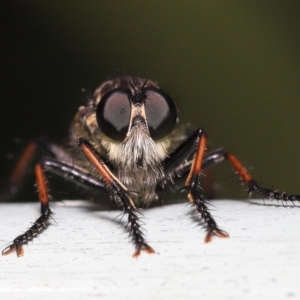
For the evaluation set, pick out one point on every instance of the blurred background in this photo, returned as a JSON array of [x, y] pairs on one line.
[[232, 67]]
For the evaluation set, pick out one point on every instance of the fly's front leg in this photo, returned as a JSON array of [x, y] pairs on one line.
[[115, 186], [41, 223], [192, 186]]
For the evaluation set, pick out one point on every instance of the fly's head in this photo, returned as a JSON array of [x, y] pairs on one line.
[[134, 118]]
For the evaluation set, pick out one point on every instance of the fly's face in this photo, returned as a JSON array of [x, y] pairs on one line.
[[133, 118]]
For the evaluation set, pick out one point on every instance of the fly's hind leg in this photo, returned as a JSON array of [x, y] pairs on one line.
[[11, 187], [30, 156], [220, 155], [253, 186]]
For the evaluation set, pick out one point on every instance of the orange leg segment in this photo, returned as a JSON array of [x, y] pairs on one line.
[[19, 171], [195, 198], [239, 168]]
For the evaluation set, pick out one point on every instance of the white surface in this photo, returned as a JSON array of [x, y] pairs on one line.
[[87, 255]]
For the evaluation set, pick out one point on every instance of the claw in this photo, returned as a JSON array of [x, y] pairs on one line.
[[218, 232], [144, 247], [18, 248], [9, 250]]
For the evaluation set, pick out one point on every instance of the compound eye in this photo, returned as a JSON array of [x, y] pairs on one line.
[[160, 111], [113, 114]]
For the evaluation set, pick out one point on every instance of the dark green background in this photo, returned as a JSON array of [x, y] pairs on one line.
[[233, 67]]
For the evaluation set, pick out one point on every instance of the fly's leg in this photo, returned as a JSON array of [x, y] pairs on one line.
[[192, 186], [114, 186], [187, 160], [253, 186], [29, 156], [18, 172], [17, 176], [40, 224]]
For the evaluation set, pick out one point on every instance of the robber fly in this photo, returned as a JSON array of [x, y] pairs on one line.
[[129, 133]]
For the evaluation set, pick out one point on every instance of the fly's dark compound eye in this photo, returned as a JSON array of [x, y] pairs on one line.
[[161, 112], [113, 114]]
